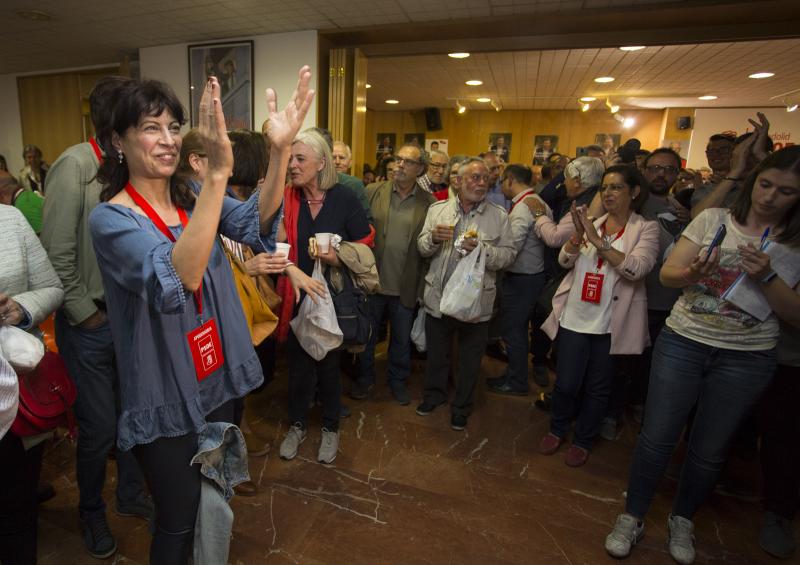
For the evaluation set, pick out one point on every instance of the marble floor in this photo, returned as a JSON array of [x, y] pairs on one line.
[[407, 489]]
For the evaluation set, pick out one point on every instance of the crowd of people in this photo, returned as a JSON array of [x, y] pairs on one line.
[[179, 266]]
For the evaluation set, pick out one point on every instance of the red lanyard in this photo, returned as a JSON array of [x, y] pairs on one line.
[[600, 260], [96, 149], [521, 198], [156, 219]]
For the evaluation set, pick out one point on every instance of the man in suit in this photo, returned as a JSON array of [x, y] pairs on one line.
[[398, 207]]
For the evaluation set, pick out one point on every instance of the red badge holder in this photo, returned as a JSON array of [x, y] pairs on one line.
[[593, 282], [204, 342]]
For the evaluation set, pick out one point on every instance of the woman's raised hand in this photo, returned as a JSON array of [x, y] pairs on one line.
[[214, 133], [282, 127]]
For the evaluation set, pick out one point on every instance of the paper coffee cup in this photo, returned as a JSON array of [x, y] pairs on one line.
[[323, 242], [282, 249]]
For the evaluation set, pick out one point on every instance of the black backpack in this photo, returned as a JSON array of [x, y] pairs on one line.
[[352, 310]]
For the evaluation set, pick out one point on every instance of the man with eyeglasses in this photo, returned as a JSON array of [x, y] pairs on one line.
[[399, 207], [435, 179], [468, 214], [495, 193]]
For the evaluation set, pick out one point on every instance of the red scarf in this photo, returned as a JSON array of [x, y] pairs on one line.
[[292, 198]]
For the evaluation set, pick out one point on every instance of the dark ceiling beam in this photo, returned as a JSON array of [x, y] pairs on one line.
[[668, 24]]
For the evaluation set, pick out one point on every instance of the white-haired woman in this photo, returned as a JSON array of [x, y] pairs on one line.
[[313, 203]]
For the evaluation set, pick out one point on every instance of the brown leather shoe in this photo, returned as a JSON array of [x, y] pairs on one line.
[[576, 456], [247, 488], [550, 444]]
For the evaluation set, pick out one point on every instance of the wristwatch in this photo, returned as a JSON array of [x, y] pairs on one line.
[[771, 275], [538, 214], [606, 244]]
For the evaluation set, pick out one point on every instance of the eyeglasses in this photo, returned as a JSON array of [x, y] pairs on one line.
[[478, 178], [655, 169], [613, 188], [403, 161], [441, 166], [718, 151]]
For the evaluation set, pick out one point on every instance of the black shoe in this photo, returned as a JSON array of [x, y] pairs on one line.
[[97, 537], [458, 422], [344, 412], [495, 381], [400, 393], [543, 402], [506, 388], [497, 350], [142, 507], [425, 409], [45, 492], [360, 391]]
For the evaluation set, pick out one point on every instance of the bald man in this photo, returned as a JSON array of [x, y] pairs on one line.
[[26, 201]]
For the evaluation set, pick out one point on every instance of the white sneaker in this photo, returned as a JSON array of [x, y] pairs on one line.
[[627, 531], [328, 447], [291, 443], [681, 539], [608, 429]]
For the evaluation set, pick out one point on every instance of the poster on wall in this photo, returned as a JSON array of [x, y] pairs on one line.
[[385, 145], [417, 139], [232, 64], [544, 146], [608, 141], [500, 145], [436, 145]]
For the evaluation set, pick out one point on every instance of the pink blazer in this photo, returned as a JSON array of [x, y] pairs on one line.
[[629, 333]]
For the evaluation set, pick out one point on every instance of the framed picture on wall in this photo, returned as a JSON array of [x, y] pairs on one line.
[[385, 145], [608, 141], [500, 145], [232, 64], [543, 147], [417, 139], [436, 145]]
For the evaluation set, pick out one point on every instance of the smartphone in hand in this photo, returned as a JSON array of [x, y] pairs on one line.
[[718, 237]]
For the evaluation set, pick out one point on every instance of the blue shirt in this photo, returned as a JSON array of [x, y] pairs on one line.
[[495, 194], [150, 313]]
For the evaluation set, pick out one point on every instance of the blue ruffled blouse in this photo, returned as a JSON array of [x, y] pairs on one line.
[[150, 313]]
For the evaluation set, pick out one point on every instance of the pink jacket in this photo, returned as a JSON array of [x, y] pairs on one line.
[[629, 333]]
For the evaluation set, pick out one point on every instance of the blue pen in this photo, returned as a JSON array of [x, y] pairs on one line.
[[763, 239]]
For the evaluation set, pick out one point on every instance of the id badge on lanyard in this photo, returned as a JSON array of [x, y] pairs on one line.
[[204, 342], [593, 282]]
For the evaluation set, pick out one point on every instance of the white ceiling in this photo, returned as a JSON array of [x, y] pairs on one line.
[[89, 32], [655, 77]]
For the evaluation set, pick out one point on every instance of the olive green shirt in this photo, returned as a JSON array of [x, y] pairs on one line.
[[398, 230]]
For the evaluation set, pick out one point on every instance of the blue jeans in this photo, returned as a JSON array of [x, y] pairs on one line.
[[584, 372], [725, 384], [400, 321], [520, 293], [89, 355]]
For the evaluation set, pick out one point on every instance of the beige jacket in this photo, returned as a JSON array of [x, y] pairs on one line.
[[494, 231], [360, 261]]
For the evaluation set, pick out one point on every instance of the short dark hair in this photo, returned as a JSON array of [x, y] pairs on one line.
[[133, 101], [641, 152], [326, 134], [101, 100], [632, 177], [519, 173], [787, 159], [665, 151], [250, 159], [722, 137]]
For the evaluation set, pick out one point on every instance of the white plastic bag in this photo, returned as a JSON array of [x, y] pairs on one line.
[[315, 325], [22, 350], [418, 331], [461, 297]]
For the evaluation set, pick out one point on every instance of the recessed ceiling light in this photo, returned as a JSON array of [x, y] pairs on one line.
[[588, 99], [474, 82], [604, 79], [762, 75], [35, 15], [483, 100], [368, 85], [632, 48], [707, 97], [458, 55], [392, 101]]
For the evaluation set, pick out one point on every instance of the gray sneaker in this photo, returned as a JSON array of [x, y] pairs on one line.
[[776, 536], [681, 539], [627, 532], [291, 443], [328, 447]]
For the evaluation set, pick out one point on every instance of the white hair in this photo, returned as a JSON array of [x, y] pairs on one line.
[[347, 150], [588, 169]]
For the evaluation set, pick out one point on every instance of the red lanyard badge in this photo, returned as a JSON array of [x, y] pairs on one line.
[[204, 342], [522, 197], [96, 148], [593, 282]]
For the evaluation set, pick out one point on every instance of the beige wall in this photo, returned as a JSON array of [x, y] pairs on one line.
[[469, 133]]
